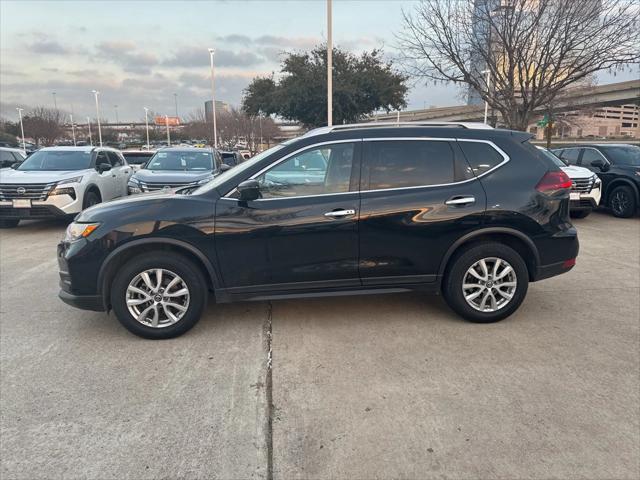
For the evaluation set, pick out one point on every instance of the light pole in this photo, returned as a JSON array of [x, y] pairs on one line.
[[24, 145], [329, 65], [95, 94], [90, 137], [260, 120], [175, 98], [166, 121], [115, 107], [486, 102], [213, 101], [146, 124], [73, 129], [55, 103]]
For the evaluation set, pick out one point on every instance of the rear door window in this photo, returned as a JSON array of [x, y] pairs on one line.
[[407, 163], [570, 155], [591, 155]]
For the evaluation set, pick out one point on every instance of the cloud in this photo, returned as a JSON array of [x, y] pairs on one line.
[[236, 38], [199, 57], [48, 47], [288, 42], [125, 54]]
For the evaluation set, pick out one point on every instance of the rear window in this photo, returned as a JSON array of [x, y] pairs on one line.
[[481, 156], [407, 163], [137, 158]]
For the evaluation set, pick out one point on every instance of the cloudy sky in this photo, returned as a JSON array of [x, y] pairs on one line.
[[139, 53]]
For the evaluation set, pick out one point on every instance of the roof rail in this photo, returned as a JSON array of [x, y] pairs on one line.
[[356, 126]]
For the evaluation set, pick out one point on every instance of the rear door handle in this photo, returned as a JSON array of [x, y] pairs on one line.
[[460, 201], [340, 213]]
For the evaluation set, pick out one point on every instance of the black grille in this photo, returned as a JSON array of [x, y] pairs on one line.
[[33, 191], [582, 185], [34, 211], [154, 186]]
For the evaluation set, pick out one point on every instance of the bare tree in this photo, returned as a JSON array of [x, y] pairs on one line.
[[44, 125], [532, 49]]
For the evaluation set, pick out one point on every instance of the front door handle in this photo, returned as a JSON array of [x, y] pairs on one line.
[[340, 213], [460, 201]]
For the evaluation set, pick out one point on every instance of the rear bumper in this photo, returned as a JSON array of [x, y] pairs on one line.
[[84, 302], [547, 271]]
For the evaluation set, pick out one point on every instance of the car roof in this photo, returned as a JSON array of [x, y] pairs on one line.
[[88, 148], [184, 149]]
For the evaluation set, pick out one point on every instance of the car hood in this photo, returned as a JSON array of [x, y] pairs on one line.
[[39, 176], [170, 176], [578, 172]]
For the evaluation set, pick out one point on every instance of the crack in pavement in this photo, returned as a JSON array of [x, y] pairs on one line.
[[265, 400]]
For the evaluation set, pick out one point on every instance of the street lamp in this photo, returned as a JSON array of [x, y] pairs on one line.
[[24, 145], [329, 65], [213, 100], [73, 129], [175, 98], [95, 94], [166, 121], [90, 137], [146, 124], [486, 102]]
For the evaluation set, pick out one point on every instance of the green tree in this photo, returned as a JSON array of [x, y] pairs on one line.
[[361, 85]]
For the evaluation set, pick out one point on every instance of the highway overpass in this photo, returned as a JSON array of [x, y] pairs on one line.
[[576, 99]]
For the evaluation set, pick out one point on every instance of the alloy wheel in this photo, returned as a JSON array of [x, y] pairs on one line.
[[619, 202], [157, 298], [489, 284]]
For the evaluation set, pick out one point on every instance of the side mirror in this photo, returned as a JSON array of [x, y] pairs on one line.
[[103, 167], [224, 167], [15, 165], [249, 190]]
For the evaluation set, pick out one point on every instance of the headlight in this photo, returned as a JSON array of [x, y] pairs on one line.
[[70, 180], [76, 231], [64, 191], [596, 180], [204, 180], [134, 186]]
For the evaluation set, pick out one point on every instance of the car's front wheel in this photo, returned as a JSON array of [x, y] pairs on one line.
[[159, 295], [486, 282], [623, 202]]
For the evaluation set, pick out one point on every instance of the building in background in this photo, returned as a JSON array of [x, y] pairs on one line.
[[620, 121], [220, 106]]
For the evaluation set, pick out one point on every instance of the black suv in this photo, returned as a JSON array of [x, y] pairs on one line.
[[618, 165], [473, 212]]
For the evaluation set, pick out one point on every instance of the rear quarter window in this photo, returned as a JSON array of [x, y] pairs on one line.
[[481, 156]]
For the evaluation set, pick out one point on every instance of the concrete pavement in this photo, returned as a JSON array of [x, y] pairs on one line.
[[388, 386]]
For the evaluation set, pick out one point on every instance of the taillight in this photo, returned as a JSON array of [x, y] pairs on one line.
[[554, 181]]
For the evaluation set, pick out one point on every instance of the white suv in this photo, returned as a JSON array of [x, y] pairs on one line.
[[586, 186], [61, 182]]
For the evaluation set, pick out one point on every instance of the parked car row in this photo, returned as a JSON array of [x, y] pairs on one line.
[[63, 181]]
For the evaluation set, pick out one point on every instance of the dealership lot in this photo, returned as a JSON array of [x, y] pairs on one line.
[[362, 387]]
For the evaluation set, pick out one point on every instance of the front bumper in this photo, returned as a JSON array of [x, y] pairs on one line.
[[84, 302], [37, 211], [585, 200]]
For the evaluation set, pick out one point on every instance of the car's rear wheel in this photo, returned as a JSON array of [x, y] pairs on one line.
[[622, 202], [159, 295], [9, 222], [486, 282], [580, 213]]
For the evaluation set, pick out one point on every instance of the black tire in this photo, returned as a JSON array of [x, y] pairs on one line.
[[91, 198], [9, 222], [175, 263], [457, 270], [622, 202], [580, 213]]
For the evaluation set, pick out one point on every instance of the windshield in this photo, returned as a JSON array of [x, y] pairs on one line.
[[181, 161], [137, 158], [624, 154], [57, 160], [224, 176], [552, 156]]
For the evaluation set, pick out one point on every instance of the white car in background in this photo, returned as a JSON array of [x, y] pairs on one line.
[[61, 182], [586, 188], [9, 156]]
